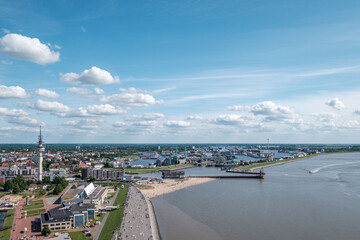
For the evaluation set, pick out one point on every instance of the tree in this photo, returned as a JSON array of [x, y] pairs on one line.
[[46, 180], [9, 185], [92, 179], [73, 187], [19, 179], [45, 231], [58, 189], [107, 165], [16, 189]]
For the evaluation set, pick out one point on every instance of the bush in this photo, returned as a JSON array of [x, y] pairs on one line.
[[45, 231]]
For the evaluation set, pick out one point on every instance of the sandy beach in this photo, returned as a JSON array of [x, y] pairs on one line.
[[156, 189]]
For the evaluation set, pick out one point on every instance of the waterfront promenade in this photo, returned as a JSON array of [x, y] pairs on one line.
[[136, 222]]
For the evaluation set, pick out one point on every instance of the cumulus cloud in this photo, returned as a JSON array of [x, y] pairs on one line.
[[92, 76], [145, 116], [46, 93], [235, 120], [48, 106], [12, 92], [86, 123], [177, 124], [131, 97], [81, 91], [335, 103], [238, 108], [104, 109], [26, 121], [119, 124], [99, 91], [194, 117], [25, 48], [12, 112], [326, 116], [270, 108]]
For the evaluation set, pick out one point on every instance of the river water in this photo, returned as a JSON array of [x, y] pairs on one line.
[[290, 203]]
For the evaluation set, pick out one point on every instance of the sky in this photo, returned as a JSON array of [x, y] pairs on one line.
[[180, 71]]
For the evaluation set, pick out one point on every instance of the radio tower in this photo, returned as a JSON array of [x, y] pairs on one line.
[[40, 149]]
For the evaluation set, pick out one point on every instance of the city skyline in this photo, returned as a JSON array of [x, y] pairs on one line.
[[196, 72]]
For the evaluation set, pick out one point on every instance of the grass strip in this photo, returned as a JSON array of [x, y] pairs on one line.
[[5, 234], [114, 219], [32, 213], [79, 236]]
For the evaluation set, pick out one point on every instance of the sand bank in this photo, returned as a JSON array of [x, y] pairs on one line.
[[156, 189]]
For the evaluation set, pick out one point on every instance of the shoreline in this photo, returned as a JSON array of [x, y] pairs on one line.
[[152, 190]]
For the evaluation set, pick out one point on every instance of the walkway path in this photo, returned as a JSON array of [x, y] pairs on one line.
[[136, 220], [96, 237]]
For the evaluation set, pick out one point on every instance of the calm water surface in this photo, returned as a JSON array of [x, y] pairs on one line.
[[290, 203]]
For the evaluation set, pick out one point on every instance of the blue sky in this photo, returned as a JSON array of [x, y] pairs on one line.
[[180, 71]]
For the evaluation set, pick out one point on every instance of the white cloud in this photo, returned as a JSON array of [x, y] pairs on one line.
[[357, 112], [6, 62], [25, 48], [12, 112], [270, 108], [46, 93], [47, 106], [87, 123], [12, 92], [57, 46], [146, 117], [335, 103], [119, 124], [105, 109], [194, 117], [177, 124], [326, 116], [99, 91], [26, 121], [76, 90], [234, 120], [92, 76], [131, 97], [237, 108]]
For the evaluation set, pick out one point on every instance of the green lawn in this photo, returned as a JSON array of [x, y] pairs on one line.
[[35, 212], [5, 234], [115, 217], [34, 205], [79, 236]]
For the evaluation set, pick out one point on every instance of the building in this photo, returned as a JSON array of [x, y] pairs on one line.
[[94, 195], [85, 173], [40, 149], [67, 217], [101, 174]]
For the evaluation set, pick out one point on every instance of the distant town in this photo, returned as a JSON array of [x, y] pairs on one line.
[[74, 190]]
